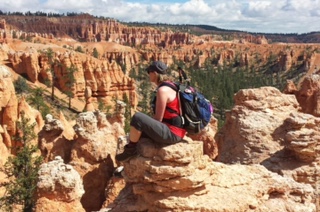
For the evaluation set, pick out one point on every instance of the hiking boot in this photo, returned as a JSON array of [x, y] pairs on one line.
[[128, 153]]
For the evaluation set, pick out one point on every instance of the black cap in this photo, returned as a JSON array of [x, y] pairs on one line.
[[158, 67]]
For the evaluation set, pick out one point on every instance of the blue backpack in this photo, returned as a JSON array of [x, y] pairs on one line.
[[196, 110]]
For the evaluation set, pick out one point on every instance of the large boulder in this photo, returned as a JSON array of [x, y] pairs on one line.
[[59, 187], [266, 127], [252, 131], [180, 177]]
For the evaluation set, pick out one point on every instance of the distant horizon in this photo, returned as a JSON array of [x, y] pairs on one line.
[[262, 16]]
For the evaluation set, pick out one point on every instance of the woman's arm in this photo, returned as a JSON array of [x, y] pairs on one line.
[[162, 99]]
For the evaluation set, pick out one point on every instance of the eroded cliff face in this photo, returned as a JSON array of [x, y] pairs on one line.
[[270, 128], [160, 44], [10, 111], [308, 94], [11, 107], [108, 77], [105, 79], [89, 147]]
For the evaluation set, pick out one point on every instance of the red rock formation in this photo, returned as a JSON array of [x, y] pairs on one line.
[[265, 127], [10, 108], [180, 178], [290, 88], [251, 125], [106, 80], [8, 101], [308, 95], [56, 139], [210, 146], [90, 151]]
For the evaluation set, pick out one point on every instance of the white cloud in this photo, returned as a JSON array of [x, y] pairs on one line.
[[280, 16], [19, 5], [259, 9]]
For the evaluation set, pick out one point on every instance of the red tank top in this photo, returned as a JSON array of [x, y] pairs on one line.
[[174, 105]]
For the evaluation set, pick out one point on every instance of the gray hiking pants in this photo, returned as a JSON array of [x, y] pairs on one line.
[[153, 129]]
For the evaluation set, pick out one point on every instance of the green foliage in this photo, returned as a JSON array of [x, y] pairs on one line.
[[127, 113], [220, 84], [105, 108], [69, 82], [36, 99], [133, 74], [22, 170], [50, 55], [95, 53], [145, 90], [14, 34], [79, 49], [123, 67], [21, 85], [47, 82]]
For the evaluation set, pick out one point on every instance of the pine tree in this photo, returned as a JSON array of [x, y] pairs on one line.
[[69, 82], [36, 99], [22, 170], [50, 56]]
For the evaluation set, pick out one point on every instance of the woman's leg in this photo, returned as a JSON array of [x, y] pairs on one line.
[[134, 134], [157, 131]]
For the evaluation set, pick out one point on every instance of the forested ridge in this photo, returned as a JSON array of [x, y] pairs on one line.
[[200, 29]]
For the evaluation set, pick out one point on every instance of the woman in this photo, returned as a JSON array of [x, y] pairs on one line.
[[160, 128]]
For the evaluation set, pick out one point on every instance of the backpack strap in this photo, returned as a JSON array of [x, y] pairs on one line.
[[172, 85], [179, 120], [175, 87]]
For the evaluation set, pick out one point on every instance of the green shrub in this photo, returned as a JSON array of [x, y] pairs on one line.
[[21, 85], [22, 170]]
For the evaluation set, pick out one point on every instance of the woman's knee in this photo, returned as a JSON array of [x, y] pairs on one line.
[[137, 120]]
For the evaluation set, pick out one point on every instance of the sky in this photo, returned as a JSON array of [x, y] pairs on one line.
[[265, 16]]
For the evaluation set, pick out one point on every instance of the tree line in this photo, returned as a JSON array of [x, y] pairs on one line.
[[39, 13]]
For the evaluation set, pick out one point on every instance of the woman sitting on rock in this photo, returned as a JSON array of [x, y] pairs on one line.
[[159, 128]]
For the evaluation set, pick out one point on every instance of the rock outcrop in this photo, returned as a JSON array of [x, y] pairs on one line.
[[279, 157], [10, 111], [56, 139], [59, 187], [252, 131], [8, 105], [207, 137], [308, 95], [180, 177], [90, 152], [266, 127]]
